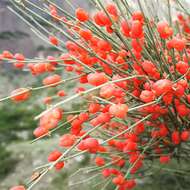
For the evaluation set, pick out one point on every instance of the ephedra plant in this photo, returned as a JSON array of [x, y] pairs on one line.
[[132, 70]]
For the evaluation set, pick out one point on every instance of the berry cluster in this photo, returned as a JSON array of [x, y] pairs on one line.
[[133, 73]]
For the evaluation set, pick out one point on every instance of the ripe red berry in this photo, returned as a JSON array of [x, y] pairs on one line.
[[97, 79], [176, 137], [182, 67], [94, 107], [81, 15], [125, 29], [20, 94], [59, 165], [119, 180], [85, 34], [52, 80], [164, 159], [136, 29], [112, 9], [40, 131], [164, 30], [54, 40], [162, 86], [91, 144], [119, 110], [18, 188], [99, 161], [53, 156], [185, 135], [147, 96], [61, 93], [67, 140]]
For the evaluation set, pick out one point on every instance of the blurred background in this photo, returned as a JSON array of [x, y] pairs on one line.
[[18, 157]]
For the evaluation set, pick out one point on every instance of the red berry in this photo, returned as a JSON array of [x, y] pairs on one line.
[[54, 40], [162, 86], [61, 93], [20, 94], [119, 180], [185, 135], [86, 34], [112, 9], [164, 159], [125, 29], [40, 131], [18, 188], [119, 110], [59, 165], [97, 79], [99, 161], [147, 96], [136, 29], [54, 156], [175, 137], [81, 15], [52, 80], [164, 30], [67, 140]]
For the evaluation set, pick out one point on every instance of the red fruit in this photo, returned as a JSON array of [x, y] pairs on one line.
[[162, 86], [54, 40], [19, 57], [20, 94], [107, 91], [125, 29], [112, 9], [103, 45], [53, 156], [47, 100], [61, 93], [94, 107], [130, 184], [106, 172], [19, 65], [97, 79], [101, 19], [182, 67], [131, 146], [176, 137], [164, 159], [99, 161], [176, 43], [57, 113], [91, 144], [182, 110], [7, 55], [185, 135], [137, 15], [119, 180], [136, 29], [59, 165], [81, 15], [86, 34], [147, 96], [119, 110], [164, 30], [67, 140], [52, 80], [83, 117], [40, 131], [18, 188]]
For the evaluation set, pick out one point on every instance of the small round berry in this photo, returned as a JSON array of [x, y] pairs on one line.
[[20, 94]]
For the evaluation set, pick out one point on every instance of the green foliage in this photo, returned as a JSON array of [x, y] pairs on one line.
[[15, 118], [7, 163]]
